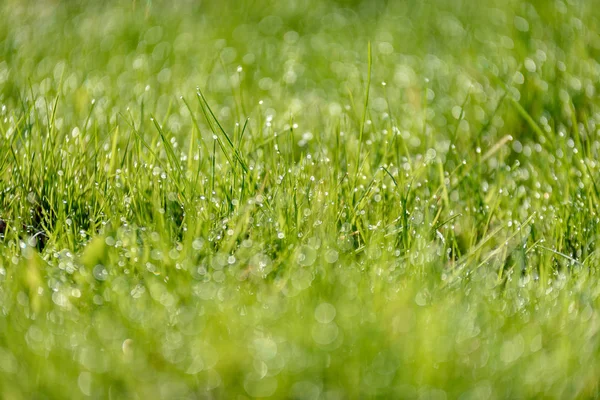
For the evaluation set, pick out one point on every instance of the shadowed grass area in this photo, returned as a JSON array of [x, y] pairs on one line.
[[304, 199]]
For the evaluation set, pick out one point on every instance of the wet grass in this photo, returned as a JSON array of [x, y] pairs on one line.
[[303, 199]]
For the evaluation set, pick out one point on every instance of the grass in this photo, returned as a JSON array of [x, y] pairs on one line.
[[301, 199]]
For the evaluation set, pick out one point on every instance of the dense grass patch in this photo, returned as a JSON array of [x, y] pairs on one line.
[[299, 199]]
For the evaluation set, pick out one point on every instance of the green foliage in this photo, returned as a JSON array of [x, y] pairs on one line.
[[299, 199]]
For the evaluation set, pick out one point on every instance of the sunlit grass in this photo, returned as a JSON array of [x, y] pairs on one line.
[[304, 199]]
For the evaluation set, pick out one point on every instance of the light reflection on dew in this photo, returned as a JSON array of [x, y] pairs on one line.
[[257, 387], [325, 313], [325, 334]]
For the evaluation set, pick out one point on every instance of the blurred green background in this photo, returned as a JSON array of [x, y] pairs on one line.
[[444, 248]]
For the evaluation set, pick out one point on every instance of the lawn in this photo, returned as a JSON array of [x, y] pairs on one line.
[[300, 199]]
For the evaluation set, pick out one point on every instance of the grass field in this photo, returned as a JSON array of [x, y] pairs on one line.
[[301, 199]]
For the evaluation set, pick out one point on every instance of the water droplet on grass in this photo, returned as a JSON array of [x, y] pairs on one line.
[[325, 334], [100, 273], [325, 313]]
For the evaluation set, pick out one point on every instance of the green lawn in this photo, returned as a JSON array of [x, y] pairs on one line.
[[308, 199]]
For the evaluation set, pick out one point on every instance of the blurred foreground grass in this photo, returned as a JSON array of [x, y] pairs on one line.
[[301, 199]]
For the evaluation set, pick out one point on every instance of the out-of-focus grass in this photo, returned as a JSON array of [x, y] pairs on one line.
[[188, 211]]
